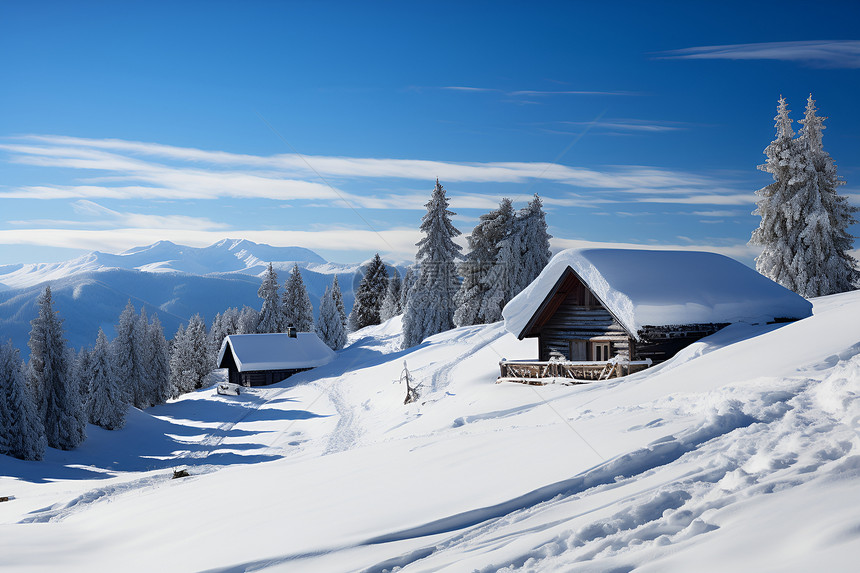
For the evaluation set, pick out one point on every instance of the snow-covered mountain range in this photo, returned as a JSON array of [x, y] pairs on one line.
[[174, 281]]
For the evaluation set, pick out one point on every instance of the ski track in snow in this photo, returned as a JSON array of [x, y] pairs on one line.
[[745, 448], [211, 441]]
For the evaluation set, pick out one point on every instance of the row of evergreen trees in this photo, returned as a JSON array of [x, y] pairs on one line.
[[507, 250], [804, 221]]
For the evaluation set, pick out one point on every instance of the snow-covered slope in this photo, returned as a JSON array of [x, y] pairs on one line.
[[740, 454]]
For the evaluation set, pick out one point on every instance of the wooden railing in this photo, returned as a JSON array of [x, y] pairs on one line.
[[539, 373]]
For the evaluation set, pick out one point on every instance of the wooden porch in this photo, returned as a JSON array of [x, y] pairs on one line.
[[538, 373]]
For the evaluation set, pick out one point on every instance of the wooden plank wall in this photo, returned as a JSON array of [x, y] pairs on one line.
[[575, 320]]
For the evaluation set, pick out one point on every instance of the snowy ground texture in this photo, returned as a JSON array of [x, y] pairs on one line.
[[741, 454]]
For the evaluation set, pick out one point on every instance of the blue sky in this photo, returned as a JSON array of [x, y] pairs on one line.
[[325, 124]]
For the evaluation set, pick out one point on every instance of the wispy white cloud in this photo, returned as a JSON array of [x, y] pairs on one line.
[[822, 53], [120, 169], [630, 125]]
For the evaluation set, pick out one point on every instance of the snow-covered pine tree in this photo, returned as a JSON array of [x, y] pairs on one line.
[[201, 360], [297, 307], [484, 244], [64, 416], [125, 351], [247, 320], [107, 405], [430, 304], [181, 363], [271, 314], [534, 251], [83, 372], [391, 303], [830, 267], [159, 363], [23, 432], [370, 295], [330, 326], [779, 230], [408, 283], [143, 351], [337, 297], [503, 244]]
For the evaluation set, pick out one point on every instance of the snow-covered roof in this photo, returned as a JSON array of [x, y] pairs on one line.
[[659, 288], [276, 351]]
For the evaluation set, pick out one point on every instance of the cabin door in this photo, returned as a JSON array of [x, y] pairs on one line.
[[577, 351]]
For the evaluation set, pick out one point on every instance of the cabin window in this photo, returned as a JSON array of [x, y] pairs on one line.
[[600, 351]]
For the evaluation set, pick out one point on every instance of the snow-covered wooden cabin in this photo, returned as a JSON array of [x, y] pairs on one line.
[[589, 305], [259, 359]]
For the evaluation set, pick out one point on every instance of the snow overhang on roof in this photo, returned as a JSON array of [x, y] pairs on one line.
[[660, 288], [276, 351]]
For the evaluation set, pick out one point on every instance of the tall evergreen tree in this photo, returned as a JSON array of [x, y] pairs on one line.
[[408, 283], [247, 320], [107, 405], [201, 360], [330, 325], [430, 305], [370, 295], [144, 391], [779, 230], [23, 435], [482, 261], [181, 363], [158, 363], [534, 250], [125, 348], [831, 268], [391, 303], [83, 372], [297, 307], [271, 314], [804, 227], [49, 370], [337, 297]]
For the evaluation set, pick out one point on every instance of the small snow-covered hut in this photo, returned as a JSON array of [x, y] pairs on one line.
[[259, 359], [594, 304]]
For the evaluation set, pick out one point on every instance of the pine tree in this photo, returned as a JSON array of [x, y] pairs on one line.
[[23, 435], [83, 372], [297, 307], [408, 283], [201, 360], [830, 266], [181, 363], [779, 231], [391, 303], [107, 405], [337, 297], [370, 295], [534, 250], [49, 370], [247, 321], [271, 314], [126, 354], [143, 352], [482, 260], [804, 227], [330, 325], [159, 363], [430, 305]]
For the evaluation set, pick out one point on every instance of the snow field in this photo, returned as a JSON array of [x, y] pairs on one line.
[[739, 454]]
